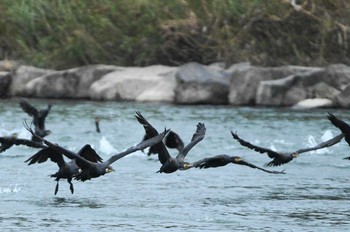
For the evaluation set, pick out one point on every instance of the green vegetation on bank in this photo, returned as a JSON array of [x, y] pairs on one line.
[[67, 33]]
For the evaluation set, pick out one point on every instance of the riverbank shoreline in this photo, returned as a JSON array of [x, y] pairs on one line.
[[241, 84]]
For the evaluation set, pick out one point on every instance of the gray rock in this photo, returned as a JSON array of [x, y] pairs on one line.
[[313, 103], [245, 80], [198, 84], [343, 98], [319, 83], [153, 83], [5, 81], [71, 83], [22, 76]]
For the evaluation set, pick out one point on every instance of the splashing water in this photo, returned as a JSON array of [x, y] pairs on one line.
[[106, 147]]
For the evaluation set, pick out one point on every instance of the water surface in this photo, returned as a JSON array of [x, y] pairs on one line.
[[313, 196]]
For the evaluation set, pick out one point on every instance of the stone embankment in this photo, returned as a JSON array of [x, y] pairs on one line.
[[241, 84]]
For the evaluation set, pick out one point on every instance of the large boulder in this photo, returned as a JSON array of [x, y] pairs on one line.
[[199, 84], [343, 98], [153, 83], [22, 75], [5, 81], [245, 80], [71, 83], [325, 82]]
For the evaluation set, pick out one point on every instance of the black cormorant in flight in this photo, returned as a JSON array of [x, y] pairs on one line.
[[38, 117], [171, 164], [222, 160], [89, 169], [280, 158], [67, 170]]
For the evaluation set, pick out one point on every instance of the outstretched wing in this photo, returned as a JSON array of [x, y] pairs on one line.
[[341, 125], [327, 143], [8, 142], [42, 115], [272, 154], [45, 153], [90, 154], [196, 138], [212, 162], [146, 143], [245, 163], [30, 110], [163, 154]]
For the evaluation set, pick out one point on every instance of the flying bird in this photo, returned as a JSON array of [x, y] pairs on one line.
[[89, 169], [38, 116], [169, 163], [67, 170], [223, 160], [280, 158]]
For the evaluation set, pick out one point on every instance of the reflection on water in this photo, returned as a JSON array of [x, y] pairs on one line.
[[314, 195]]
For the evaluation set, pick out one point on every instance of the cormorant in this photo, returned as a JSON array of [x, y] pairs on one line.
[[342, 126], [280, 158], [38, 117], [170, 164], [89, 169], [8, 142], [67, 170], [97, 124], [222, 160]]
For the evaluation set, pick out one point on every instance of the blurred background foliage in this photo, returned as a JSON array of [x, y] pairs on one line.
[[61, 34]]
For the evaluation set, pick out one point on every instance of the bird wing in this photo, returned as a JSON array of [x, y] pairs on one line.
[[41, 117], [6, 143], [196, 138], [272, 154], [173, 140], [340, 124], [90, 154], [163, 154], [30, 110], [140, 146], [45, 153], [211, 162], [327, 143], [245, 163], [28, 143], [71, 155]]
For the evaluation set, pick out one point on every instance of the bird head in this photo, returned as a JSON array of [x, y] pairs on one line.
[[295, 155], [237, 159], [109, 169]]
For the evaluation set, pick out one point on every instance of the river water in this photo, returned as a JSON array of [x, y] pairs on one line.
[[314, 195]]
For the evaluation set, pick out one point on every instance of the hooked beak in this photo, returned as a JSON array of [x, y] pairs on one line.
[[188, 166]]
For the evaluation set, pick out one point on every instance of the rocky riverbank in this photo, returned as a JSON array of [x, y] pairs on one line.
[[241, 84]]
